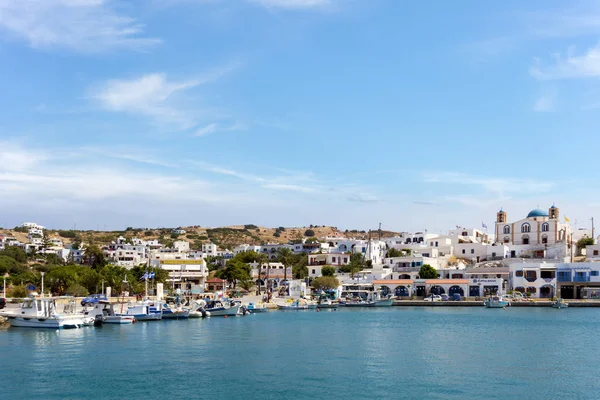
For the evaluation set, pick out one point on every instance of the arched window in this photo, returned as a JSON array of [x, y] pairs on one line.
[[525, 228], [545, 227], [506, 240], [506, 229], [544, 239]]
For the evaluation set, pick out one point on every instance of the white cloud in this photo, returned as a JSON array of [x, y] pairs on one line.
[[151, 95], [15, 158], [490, 184], [285, 186], [544, 103], [292, 4], [570, 66], [214, 127], [82, 25]]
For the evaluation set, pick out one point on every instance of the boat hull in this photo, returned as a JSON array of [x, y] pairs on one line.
[[118, 319], [176, 315], [148, 317], [384, 303], [371, 304], [560, 306], [51, 323], [258, 310], [501, 304], [327, 306], [292, 308], [222, 311]]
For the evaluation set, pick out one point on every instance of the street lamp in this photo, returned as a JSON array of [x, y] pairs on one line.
[[43, 273]]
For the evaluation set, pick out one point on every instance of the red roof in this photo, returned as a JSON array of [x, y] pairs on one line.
[[215, 280]]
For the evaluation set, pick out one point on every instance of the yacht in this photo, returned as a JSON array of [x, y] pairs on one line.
[[41, 313]]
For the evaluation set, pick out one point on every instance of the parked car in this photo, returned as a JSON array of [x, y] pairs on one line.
[[2, 302], [445, 297], [433, 297], [93, 299], [456, 297]]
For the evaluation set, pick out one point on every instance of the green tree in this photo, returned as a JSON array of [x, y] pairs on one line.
[[113, 276], [427, 272], [94, 257], [309, 233], [53, 259], [325, 282], [584, 241], [15, 253], [300, 266], [213, 263], [77, 290], [328, 271], [394, 253], [286, 257], [357, 263], [263, 260], [17, 292], [7, 263], [234, 272]]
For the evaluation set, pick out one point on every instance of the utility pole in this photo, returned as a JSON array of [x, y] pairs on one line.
[[593, 234], [571, 247]]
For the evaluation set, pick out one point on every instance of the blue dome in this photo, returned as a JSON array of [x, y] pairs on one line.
[[537, 213]]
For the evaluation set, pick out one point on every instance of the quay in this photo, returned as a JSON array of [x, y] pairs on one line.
[[479, 303]]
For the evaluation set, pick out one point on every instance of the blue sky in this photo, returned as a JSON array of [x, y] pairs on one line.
[[416, 114]]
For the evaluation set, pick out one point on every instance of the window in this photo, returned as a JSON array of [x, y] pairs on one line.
[[544, 239], [506, 239], [595, 273], [436, 244], [506, 229], [595, 252], [463, 251], [465, 233], [332, 259], [345, 259], [519, 273], [314, 272], [526, 240], [545, 227], [472, 251], [525, 228]]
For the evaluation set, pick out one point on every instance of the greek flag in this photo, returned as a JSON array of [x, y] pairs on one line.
[[483, 225], [151, 275], [145, 276]]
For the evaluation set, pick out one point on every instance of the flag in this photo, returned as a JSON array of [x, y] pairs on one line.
[[145, 276], [483, 225], [151, 275], [567, 219]]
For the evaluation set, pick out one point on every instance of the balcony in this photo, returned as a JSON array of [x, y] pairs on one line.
[[581, 279]]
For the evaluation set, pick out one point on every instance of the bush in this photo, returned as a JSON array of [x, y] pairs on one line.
[[20, 229], [309, 233], [67, 234], [328, 271], [77, 290], [250, 226], [148, 233], [277, 234], [18, 291], [174, 235]]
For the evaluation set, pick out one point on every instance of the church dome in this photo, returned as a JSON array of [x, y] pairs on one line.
[[537, 213]]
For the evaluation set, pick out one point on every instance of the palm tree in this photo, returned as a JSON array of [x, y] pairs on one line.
[[285, 256], [261, 259]]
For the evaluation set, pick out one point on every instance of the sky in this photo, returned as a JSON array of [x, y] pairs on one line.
[[414, 114]]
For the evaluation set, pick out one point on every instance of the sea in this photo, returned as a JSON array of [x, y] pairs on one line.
[[381, 353]]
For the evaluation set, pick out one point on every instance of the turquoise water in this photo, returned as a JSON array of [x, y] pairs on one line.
[[432, 353]]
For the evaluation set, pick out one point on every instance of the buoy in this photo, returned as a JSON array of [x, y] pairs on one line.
[[224, 316]]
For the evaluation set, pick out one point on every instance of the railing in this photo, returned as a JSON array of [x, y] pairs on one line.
[[581, 279], [562, 278], [529, 279]]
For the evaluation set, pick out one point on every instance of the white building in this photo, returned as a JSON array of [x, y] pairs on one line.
[[210, 249], [187, 275]]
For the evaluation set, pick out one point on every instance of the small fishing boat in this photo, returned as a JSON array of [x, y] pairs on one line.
[[326, 303], [176, 312], [220, 308], [146, 311], [257, 308], [299, 304], [357, 303], [41, 313], [560, 303], [495, 301], [103, 312], [198, 309]]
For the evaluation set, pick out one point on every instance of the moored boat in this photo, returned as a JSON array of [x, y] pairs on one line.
[[495, 301], [326, 303], [41, 313], [146, 311], [560, 303], [255, 308], [198, 309], [220, 308], [174, 312], [299, 304], [104, 312]]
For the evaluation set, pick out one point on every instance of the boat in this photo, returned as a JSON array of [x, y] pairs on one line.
[[198, 309], [41, 313], [176, 312], [495, 301], [103, 312], [381, 301], [326, 303], [357, 303], [299, 304], [220, 308], [257, 308], [145, 311], [560, 303], [364, 295]]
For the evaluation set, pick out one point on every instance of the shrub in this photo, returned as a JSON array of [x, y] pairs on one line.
[[18, 291], [148, 233], [309, 233], [77, 290], [250, 226]]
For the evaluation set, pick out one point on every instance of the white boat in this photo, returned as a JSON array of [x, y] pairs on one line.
[[560, 303], [220, 308], [257, 308], [146, 311], [358, 294], [41, 313], [326, 303], [495, 301], [300, 304], [103, 312], [198, 309], [176, 312]]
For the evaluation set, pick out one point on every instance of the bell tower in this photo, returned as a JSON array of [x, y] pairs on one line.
[[501, 217], [553, 212]]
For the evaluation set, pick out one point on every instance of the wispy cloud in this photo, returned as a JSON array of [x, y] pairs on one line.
[[585, 65], [293, 188], [293, 4], [544, 103], [362, 198], [495, 185], [87, 26], [214, 127]]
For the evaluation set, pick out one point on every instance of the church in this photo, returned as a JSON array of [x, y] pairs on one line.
[[538, 228]]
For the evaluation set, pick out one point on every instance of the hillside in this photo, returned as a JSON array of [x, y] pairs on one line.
[[225, 237]]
